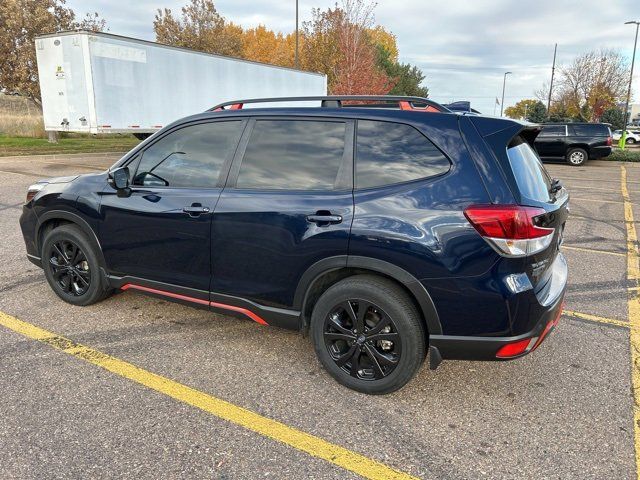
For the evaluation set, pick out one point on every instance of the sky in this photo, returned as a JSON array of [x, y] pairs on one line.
[[462, 46]]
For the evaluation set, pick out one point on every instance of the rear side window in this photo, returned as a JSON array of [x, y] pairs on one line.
[[590, 130], [190, 157], [390, 153], [293, 155], [553, 131], [533, 180]]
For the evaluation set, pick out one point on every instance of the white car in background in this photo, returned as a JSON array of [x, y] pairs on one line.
[[632, 136]]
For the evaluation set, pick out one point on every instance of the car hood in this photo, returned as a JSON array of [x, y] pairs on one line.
[[54, 180]]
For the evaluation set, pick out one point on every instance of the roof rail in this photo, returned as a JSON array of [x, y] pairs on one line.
[[335, 101]]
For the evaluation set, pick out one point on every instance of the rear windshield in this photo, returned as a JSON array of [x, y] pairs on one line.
[[589, 130], [533, 180]]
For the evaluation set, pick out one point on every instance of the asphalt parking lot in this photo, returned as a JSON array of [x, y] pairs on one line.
[[566, 411]]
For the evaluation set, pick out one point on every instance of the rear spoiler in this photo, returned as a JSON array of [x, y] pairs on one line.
[[530, 133], [506, 128]]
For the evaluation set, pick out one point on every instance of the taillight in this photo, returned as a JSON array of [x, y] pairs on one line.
[[510, 229], [32, 190], [609, 141]]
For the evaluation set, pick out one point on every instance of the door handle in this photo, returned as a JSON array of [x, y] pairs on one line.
[[324, 219], [195, 210]]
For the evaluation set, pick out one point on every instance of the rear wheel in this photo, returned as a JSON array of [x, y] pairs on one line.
[[368, 334], [577, 156], [71, 266], [631, 141]]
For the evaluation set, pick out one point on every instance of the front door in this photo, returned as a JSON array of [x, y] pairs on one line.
[[162, 231], [288, 204]]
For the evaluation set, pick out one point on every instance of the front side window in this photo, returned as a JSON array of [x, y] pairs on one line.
[[190, 157], [293, 155], [390, 153]]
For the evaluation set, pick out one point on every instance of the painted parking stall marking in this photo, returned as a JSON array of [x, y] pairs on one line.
[[310, 444], [633, 273]]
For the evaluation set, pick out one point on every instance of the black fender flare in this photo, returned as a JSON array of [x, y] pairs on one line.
[[417, 289], [75, 219]]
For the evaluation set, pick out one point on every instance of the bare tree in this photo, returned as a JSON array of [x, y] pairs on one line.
[[592, 83]]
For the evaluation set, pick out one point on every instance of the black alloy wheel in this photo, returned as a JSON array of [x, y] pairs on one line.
[[362, 340], [70, 267]]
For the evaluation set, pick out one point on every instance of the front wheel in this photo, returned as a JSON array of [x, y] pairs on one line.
[[71, 266], [577, 157], [368, 334], [631, 141]]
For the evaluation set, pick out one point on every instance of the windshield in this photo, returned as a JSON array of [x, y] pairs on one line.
[[533, 180]]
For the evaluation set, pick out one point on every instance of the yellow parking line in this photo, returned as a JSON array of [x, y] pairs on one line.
[[592, 250], [597, 318], [585, 187], [634, 311], [273, 429], [598, 200]]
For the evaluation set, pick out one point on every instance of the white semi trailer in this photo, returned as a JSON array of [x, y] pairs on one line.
[[103, 83]]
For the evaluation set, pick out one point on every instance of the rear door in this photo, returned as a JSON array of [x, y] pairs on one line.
[[288, 203], [552, 141], [161, 231]]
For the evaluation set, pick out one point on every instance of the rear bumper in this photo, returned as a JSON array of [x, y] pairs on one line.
[[599, 152], [546, 308], [486, 348]]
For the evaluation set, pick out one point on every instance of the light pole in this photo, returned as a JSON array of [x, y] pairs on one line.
[[623, 138], [504, 82], [296, 59]]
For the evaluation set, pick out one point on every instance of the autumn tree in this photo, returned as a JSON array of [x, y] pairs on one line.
[[337, 43], [385, 41], [320, 50], [20, 22], [531, 110], [592, 83], [200, 27], [263, 45]]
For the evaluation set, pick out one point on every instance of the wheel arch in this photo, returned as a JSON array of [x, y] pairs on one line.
[[583, 146], [325, 273], [58, 217]]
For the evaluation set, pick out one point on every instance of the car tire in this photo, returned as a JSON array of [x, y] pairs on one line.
[[392, 346], [577, 156], [71, 266], [630, 141]]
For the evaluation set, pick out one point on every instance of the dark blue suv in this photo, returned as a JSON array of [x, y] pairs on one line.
[[383, 232]]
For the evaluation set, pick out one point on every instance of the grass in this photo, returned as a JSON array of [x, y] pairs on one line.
[[626, 155], [73, 144], [22, 125]]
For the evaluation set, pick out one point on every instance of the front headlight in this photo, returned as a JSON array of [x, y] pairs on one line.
[[33, 189]]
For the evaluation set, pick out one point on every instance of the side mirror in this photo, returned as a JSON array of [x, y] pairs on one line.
[[120, 178]]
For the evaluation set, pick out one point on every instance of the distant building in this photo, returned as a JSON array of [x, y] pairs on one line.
[[634, 113]]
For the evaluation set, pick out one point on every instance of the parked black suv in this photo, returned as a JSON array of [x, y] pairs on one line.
[[574, 142], [382, 232]]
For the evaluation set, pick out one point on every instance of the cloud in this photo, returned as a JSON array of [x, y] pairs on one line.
[[463, 46]]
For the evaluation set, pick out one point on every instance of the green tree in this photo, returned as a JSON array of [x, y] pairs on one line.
[[407, 78], [20, 22], [615, 117], [537, 113], [521, 109]]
